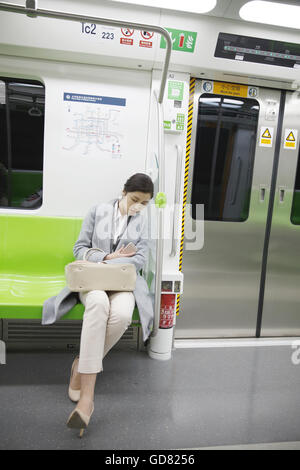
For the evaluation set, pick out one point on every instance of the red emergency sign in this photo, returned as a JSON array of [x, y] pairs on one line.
[[167, 310]]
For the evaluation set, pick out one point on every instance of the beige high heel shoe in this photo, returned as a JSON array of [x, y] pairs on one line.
[[79, 420], [74, 395]]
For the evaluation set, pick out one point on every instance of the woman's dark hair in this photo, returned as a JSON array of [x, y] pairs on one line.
[[139, 182]]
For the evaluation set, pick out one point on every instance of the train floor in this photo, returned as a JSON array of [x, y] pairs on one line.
[[201, 398]]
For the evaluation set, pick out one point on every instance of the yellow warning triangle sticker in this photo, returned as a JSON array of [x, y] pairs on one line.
[[267, 134], [290, 137]]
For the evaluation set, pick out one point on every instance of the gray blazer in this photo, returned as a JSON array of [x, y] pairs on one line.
[[96, 231]]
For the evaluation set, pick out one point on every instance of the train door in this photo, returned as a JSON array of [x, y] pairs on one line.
[[232, 155], [281, 308]]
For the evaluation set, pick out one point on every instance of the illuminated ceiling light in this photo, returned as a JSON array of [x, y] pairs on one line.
[[278, 14], [191, 6], [226, 100]]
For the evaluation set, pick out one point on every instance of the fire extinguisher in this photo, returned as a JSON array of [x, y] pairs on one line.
[[167, 310], [181, 40]]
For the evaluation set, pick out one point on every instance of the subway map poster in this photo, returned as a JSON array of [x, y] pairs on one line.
[[92, 125]]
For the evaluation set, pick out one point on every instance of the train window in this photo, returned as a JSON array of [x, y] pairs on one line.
[[224, 157], [295, 213], [22, 105]]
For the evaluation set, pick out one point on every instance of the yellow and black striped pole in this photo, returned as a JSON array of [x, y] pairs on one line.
[[186, 172]]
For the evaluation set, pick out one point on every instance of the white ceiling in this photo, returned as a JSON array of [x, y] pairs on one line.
[[224, 8], [231, 8]]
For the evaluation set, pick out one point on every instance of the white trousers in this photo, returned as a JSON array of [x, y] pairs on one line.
[[106, 317]]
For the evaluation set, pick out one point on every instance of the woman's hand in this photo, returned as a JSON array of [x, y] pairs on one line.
[[118, 254]]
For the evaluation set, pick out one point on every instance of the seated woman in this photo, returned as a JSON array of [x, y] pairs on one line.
[[109, 313]]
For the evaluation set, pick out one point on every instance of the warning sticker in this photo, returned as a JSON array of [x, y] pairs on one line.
[[145, 44], [290, 139], [231, 89], [127, 41], [266, 136], [147, 34], [127, 33]]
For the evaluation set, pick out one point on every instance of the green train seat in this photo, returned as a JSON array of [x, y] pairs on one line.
[[33, 253]]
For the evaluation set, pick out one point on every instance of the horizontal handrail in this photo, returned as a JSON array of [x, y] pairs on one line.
[[103, 21]]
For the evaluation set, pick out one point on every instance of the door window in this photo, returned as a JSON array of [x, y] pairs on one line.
[[224, 156], [22, 105], [295, 213]]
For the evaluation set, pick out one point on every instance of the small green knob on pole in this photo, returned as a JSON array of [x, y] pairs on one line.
[[160, 200]]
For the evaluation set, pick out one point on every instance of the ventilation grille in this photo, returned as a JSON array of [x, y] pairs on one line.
[[31, 334]]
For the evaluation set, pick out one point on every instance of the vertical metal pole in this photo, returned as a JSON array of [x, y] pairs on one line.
[[160, 219]]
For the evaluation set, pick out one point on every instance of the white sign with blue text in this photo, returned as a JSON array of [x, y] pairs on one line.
[[92, 124]]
